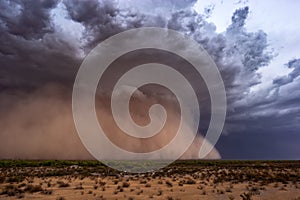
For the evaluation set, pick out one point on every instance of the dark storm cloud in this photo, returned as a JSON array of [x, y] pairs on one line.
[[31, 52], [237, 53], [101, 19], [27, 18], [35, 52], [280, 100], [269, 120]]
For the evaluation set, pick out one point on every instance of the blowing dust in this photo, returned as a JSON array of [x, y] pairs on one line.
[[39, 125]]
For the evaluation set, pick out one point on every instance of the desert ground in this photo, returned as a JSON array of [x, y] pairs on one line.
[[189, 179]]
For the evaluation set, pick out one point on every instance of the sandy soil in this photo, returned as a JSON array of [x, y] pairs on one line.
[[170, 186]]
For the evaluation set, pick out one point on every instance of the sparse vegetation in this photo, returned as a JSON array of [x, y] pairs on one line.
[[47, 192], [246, 196], [159, 192], [222, 178], [33, 188], [169, 184], [190, 181], [125, 184], [148, 185], [62, 184]]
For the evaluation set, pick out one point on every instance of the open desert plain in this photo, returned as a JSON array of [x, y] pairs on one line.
[[189, 179]]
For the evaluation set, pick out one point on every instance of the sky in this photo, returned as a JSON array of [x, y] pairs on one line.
[[253, 43], [275, 19]]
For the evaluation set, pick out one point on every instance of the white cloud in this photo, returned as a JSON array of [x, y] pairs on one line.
[[276, 18]]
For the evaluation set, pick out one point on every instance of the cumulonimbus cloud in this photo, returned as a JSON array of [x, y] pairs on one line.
[[35, 54]]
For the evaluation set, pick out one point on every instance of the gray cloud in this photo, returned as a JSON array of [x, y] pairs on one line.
[[293, 64], [101, 19], [28, 18], [32, 53]]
